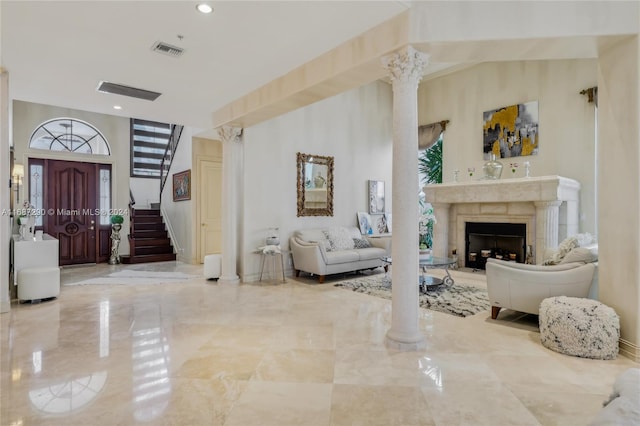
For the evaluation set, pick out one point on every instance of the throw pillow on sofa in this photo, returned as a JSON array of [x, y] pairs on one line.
[[570, 243], [360, 243], [339, 238], [563, 249], [579, 254]]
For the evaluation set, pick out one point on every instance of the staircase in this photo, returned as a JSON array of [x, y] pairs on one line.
[[148, 238]]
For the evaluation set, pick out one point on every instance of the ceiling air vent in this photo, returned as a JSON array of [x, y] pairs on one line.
[[167, 49], [119, 89]]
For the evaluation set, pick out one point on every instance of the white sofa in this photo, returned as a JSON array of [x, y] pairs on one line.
[[316, 254], [523, 287]]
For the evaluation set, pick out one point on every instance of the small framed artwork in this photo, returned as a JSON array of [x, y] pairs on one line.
[[364, 222], [182, 186], [376, 196], [379, 224]]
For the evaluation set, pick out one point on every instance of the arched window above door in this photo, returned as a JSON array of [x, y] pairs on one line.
[[69, 135]]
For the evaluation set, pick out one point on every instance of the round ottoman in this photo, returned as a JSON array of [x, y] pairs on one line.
[[580, 327]]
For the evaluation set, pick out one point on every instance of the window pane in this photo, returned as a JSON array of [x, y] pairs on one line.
[[35, 189], [70, 135], [105, 196]]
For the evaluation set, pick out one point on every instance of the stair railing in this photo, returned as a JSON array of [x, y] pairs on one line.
[[167, 159]]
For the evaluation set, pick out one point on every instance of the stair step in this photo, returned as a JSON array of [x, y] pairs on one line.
[[146, 242], [148, 219], [147, 258], [147, 212], [153, 250], [148, 226], [149, 234]]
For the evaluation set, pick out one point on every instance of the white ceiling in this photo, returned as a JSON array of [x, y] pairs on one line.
[[56, 52]]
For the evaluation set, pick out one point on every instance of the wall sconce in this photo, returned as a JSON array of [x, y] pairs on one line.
[[18, 177]]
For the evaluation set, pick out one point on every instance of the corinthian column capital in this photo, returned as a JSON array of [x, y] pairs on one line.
[[229, 133], [406, 65]]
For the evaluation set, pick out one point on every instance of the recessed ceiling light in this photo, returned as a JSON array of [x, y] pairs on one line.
[[117, 107], [204, 8]]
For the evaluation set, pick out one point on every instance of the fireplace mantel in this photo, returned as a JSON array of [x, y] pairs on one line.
[[548, 204]]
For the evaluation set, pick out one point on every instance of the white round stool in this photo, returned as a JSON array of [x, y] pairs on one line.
[[212, 266], [38, 283], [579, 327]]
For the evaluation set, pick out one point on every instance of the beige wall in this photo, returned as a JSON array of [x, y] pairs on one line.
[[145, 191], [619, 177], [179, 216], [27, 116], [566, 119], [353, 127]]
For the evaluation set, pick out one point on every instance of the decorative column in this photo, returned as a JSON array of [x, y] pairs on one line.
[[5, 192], [547, 213], [441, 229], [406, 68], [230, 137]]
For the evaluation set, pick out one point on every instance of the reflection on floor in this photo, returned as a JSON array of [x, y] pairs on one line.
[[202, 353]]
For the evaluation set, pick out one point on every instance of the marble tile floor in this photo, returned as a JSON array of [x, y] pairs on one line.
[[295, 353]]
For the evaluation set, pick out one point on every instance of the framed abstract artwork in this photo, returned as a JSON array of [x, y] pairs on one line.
[[510, 131], [376, 196], [364, 223], [182, 186], [379, 224]]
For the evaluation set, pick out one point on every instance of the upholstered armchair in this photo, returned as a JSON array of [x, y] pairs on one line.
[[523, 287]]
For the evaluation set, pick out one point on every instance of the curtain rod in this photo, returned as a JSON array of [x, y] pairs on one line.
[[592, 94]]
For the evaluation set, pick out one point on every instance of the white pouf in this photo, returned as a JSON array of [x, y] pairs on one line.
[[38, 283], [580, 327], [212, 266]]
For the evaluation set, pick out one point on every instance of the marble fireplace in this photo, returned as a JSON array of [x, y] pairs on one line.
[[547, 206]]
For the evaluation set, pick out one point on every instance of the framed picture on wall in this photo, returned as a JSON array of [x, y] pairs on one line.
[[376, 196], [182, 186], [510, 131]]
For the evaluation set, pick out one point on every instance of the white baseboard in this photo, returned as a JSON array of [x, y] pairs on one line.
[[629, 350]]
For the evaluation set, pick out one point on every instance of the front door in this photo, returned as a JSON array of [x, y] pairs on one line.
[[71, 193]]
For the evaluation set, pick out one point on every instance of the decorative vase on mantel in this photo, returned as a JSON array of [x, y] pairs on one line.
[[493, 168]]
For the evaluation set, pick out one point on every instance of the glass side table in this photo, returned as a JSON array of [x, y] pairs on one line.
[[428, 282], [273, 255]]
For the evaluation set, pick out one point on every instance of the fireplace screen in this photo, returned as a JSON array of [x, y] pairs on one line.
[[506, 241]]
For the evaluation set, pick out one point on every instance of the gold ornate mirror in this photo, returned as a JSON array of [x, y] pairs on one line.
[[315, 185]]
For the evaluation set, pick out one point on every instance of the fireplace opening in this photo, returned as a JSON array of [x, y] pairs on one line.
[[506, 241]]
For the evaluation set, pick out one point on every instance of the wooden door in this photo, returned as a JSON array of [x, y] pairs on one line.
[[71, 189], [210, 202]]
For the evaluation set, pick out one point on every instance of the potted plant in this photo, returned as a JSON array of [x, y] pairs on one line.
[[425, 229], [116, 219]]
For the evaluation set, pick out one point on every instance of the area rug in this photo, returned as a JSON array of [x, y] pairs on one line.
[[137, 277], [458, 299]]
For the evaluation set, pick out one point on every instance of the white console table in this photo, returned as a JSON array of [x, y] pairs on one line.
[[33, 254]]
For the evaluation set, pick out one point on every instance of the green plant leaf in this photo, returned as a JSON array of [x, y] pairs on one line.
[[430, 163]]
